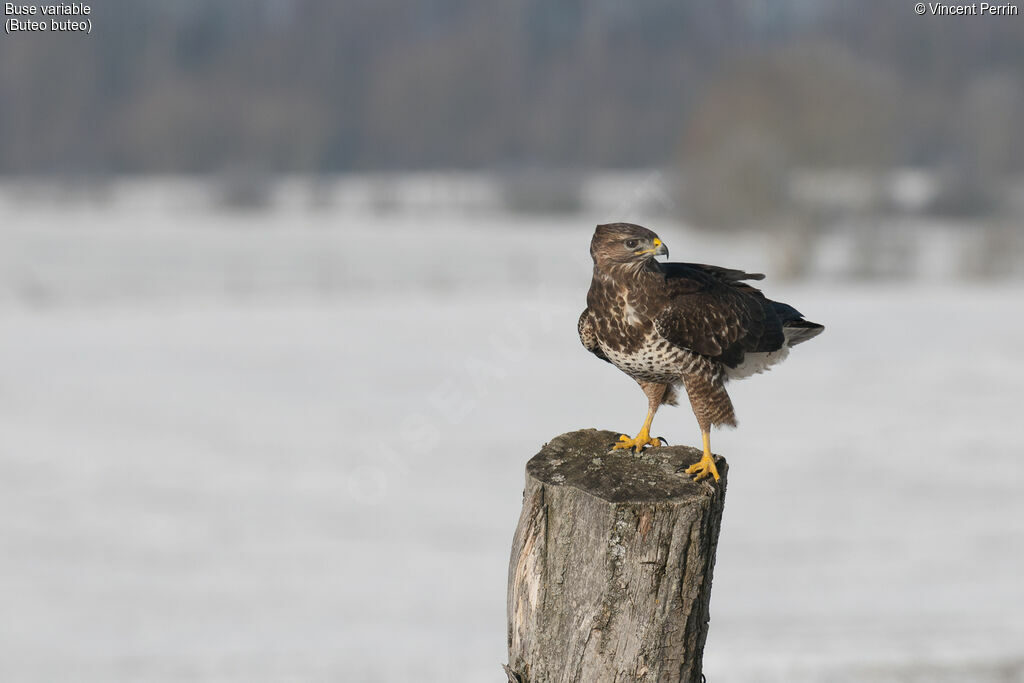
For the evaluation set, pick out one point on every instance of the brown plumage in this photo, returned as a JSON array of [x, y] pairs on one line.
[[666, 324]]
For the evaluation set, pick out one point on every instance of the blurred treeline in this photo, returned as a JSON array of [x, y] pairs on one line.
[[321, 86]]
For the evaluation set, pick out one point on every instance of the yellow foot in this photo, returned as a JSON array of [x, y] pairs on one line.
[[703, 468], [642, 439]]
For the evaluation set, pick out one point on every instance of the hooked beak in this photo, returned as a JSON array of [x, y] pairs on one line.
[[659, 248]]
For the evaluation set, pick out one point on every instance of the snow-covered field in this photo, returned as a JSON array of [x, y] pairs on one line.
[[290, 447]]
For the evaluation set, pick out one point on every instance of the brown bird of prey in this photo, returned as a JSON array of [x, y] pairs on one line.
[[666, 324]]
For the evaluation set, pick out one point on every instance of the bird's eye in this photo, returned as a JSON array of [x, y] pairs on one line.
[[632, 244]]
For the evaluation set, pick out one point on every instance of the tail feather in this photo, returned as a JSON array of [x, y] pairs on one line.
[[799, 331]]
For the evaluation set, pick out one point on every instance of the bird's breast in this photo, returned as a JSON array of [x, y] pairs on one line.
[[630, 315], [628, 338], [621, 326], [654, 360]]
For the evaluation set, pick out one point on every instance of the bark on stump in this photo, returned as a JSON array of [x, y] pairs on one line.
[[610, 576]]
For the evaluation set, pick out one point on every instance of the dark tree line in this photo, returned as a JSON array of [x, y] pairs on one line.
[[323, 86]]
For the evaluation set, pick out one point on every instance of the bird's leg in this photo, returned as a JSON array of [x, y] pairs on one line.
[[655, 392], [706, 465]]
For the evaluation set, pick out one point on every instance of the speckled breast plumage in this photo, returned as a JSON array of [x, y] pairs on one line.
[[629, 340]]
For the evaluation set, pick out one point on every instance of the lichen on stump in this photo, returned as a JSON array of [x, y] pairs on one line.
[[610, 575]]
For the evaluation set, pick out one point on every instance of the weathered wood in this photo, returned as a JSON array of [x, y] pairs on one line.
[[610, 576]]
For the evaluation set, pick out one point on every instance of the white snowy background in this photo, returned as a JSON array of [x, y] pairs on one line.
[[288, 445]]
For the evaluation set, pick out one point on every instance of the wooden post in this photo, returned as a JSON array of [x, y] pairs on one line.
[[610, 576]]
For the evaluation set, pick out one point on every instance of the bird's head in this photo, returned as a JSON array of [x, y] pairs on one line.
[[617, 245]]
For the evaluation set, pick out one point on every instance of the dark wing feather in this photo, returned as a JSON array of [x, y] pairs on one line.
[[713, 313], [724, 274]]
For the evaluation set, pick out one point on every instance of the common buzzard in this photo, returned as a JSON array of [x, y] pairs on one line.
[[666, 324]]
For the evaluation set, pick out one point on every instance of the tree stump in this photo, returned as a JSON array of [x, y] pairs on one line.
[[610, 576]]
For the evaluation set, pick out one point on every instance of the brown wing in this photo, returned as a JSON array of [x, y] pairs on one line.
[[720, 273], [710, 311], [588, 335]]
